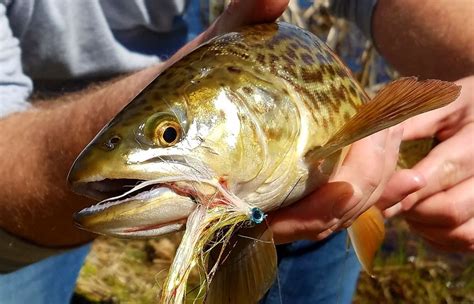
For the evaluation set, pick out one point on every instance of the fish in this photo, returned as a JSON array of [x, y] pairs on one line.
[[247, 123]]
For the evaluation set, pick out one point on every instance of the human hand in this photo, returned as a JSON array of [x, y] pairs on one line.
[[442, 212], [37, 203], [237, 14], [357, 185]]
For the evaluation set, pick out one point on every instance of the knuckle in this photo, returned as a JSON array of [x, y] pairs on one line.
[[454, 216]]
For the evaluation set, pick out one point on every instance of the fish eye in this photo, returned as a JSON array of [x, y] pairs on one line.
[[168, 133], [162, 129]]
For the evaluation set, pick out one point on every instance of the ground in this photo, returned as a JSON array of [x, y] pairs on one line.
[[406, 271]]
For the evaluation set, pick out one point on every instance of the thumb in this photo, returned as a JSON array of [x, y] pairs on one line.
[[237, 14], [244, 12]]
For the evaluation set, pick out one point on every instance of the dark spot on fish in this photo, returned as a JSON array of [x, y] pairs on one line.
[[240, 45], [273, 133], [330, 71], [307, 58], [341, 72], [291, 70], [322, 96], [325, 123], [288, 59], [352, 90], [291, 54], [247, 90], [347, 116], [260, 58], [321, 58], [311, 75], [294, 46], [234, 69]]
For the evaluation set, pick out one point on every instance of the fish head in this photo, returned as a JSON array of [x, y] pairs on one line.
[[173, 146]]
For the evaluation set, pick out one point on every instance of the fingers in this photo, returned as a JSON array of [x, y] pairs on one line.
[[363, 167], [449, 208], [460, 238], [355, 187], [243, 12], [369, 174], [400, 185], [445, 166], [313, 214]]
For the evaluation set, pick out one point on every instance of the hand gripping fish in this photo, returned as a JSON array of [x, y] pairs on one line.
[[248, 122]]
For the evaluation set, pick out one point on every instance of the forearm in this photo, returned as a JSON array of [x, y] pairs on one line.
[[37, 148], [430, 39]]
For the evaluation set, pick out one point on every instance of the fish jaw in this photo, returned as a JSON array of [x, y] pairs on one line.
[[137, 200], [149, 213]]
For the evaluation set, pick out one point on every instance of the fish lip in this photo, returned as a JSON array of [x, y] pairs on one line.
[[128, 215]]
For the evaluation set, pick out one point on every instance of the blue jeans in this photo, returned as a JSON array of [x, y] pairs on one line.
[[315, 272], [309, 272], [50, 281]]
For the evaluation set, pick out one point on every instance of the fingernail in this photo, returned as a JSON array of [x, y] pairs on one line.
[[393, 210], [419, 180], [408, 202]]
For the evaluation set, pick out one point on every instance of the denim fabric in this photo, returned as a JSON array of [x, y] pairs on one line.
[[309, 272], [315, 272], [50, 281]]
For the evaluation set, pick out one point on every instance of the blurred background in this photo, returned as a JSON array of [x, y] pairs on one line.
[[406, 270]]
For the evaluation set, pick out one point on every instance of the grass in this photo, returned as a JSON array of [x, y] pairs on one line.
[[406, 270]]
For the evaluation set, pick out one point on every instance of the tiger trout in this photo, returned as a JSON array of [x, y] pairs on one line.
[[247, 123]]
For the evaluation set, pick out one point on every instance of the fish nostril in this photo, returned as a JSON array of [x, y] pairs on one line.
[[112, 142]]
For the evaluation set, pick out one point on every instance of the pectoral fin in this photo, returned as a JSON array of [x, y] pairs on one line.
[[398, 101], [248, 268], [367, 234]]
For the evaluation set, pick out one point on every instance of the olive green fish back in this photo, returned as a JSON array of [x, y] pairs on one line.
[[276, 51]]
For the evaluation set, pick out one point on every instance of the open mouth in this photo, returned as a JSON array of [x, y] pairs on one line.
[[106, 188], [133, 208]]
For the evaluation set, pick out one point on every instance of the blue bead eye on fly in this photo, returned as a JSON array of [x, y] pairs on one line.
[[257, 216]]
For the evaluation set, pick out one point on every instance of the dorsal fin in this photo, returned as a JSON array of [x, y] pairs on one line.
[[398, 101]]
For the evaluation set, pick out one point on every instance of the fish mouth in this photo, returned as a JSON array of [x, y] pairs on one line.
[[132, 208]]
